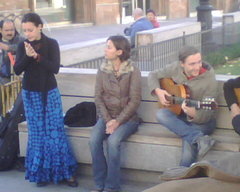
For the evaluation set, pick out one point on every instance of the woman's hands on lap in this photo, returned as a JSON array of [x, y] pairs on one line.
[[111, 126]]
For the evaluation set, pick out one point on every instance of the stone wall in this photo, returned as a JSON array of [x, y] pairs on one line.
[[159, 6], [225, 5], [83, 11], [6, 5], [12, 9], [107, 12], [177, 9], [231, 6]]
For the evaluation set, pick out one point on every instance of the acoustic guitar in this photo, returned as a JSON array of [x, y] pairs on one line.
[[179, 94], [237, 93]]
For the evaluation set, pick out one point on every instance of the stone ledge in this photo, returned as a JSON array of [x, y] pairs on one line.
[[229, 18], [167, 33], [78, 52]]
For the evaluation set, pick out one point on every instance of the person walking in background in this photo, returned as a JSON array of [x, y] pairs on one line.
[[141, 23], [9, 40], [231, 93], [151, 15], [49, 157], [193, 125], [117, 97], [8, 44]]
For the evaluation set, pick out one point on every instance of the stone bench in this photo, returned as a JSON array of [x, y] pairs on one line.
[[152, 148]]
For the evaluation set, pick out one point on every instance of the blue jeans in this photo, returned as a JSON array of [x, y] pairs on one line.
[[106, 170], [188, 131]]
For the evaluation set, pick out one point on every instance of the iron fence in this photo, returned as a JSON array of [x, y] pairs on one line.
[[92, 64], [158, 55]]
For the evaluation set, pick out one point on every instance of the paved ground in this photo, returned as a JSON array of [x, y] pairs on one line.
[[79, 33], [13, 181]]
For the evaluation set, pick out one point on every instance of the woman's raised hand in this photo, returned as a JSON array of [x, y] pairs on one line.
[[29, 50]]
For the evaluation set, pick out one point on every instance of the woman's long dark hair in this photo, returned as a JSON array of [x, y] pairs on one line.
[[33, 18]]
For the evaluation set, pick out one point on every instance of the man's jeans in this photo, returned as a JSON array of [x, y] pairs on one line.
[[106, 170], [189, 132]]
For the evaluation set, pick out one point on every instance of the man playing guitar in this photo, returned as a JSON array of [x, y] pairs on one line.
[[193, 125]]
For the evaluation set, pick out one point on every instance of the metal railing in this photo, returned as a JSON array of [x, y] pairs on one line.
[[152, 56], [92, 64], [158, 55], [9, 93]]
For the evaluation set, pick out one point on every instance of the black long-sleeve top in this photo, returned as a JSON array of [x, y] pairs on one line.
[[229, 92], [39, 73]]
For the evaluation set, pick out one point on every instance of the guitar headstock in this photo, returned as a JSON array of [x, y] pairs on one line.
[[208, 103]]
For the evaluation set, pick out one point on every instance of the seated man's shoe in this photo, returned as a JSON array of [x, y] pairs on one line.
[[72, 182], [205, 143], [42, 184], [110, 190]]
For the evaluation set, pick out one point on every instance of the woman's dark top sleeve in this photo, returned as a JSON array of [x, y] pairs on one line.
[[39, 73], [22, 59]]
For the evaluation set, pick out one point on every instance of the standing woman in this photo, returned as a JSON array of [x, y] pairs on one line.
[[117, 97], [49, 157]]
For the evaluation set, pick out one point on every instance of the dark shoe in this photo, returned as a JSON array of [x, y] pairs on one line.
[[97, 190], [205, 143], [42, 184], [19, 164], [72, 182]]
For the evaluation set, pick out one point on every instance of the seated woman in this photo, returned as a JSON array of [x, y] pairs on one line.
[[232, 101], [117, 97], [151, 15]]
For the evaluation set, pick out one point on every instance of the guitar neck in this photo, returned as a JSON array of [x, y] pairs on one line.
[[189, 102]]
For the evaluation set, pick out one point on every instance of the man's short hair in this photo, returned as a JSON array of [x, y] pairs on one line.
[[186, 52], [6, 21], [138, 12]]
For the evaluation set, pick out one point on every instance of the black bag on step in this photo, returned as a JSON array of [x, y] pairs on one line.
[[9, 141], [81, 115]]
